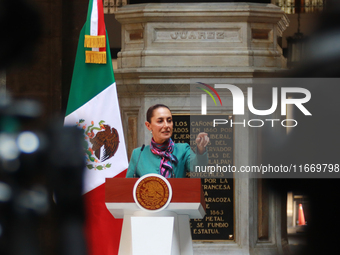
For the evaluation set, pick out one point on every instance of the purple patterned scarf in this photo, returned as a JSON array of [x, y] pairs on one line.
[[165, 150]]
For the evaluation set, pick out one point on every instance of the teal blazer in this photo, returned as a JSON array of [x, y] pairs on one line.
[[150, 163]]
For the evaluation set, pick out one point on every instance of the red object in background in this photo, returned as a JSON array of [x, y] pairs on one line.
[[302, 220], [101, 228]]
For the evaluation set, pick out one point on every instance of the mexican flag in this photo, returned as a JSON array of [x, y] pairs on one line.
[[93, 107]]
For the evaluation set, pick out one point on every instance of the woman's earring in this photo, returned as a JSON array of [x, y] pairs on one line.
[[150, 131]]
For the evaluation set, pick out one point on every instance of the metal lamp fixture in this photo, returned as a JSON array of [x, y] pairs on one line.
[[296, 43]]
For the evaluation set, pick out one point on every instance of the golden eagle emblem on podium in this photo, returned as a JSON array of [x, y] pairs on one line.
[[152, 193]]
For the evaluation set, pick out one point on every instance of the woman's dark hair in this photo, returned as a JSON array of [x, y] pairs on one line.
[[149, 113]]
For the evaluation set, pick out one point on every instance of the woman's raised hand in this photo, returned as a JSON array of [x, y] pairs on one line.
[[202, 141]]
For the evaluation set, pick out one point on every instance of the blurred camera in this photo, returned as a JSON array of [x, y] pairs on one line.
[[41, 170]]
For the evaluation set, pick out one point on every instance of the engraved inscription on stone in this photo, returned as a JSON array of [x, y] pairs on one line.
[[225, 35], [218, 224]]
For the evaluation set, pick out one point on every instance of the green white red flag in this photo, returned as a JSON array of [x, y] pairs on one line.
[[93, 106]]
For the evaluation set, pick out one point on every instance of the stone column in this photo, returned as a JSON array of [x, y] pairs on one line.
[[164, 47]]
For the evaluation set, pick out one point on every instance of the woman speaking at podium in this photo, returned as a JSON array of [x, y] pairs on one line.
[[163, 156]]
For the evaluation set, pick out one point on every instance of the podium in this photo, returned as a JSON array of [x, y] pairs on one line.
[[162, 231]]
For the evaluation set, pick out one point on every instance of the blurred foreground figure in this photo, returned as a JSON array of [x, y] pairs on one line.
[[316, 139], [36, 164]]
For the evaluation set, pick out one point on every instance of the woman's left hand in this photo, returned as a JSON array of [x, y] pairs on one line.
[[202, 141]]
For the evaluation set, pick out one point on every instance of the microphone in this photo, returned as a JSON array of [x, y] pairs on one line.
[[134, 175], [172, 170]]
